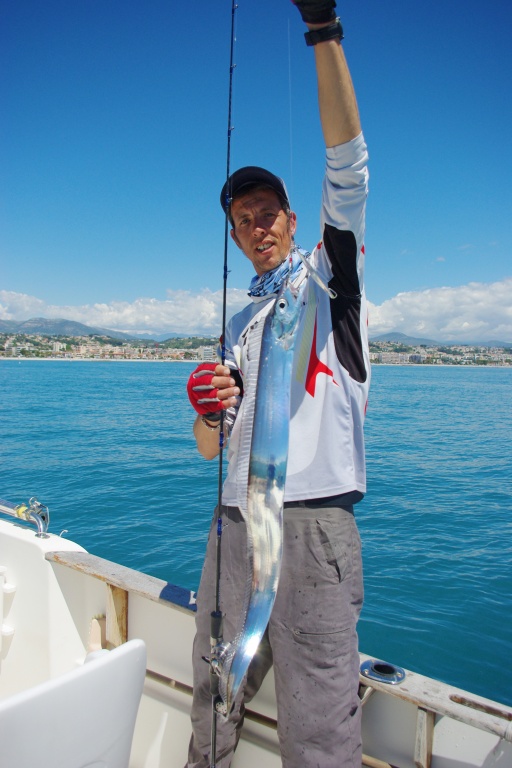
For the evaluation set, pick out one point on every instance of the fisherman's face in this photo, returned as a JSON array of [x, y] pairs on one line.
[[262, 230]]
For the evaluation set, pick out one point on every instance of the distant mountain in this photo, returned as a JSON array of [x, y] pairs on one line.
[[413, 341], [8, 326], [58, 327], [506, 344], [62, 327], [160, 336], [401, 338]]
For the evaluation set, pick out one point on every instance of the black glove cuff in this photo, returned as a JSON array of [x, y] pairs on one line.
[[333, 32], [213, 416], [316, 11]]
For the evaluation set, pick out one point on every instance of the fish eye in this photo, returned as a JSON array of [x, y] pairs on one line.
[[282, 304]]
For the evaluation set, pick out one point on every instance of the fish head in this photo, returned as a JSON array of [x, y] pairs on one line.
[[286, 312]]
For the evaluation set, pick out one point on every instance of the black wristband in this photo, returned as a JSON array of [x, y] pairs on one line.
[[333, 32], [213, 416]]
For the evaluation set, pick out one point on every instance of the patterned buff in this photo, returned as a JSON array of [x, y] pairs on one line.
[[270, 283]]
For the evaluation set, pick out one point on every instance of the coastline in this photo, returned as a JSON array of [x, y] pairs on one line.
[[93, 360], [197, 360]]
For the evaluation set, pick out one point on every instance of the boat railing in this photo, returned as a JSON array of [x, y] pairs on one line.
[[31, 512], [431, 698]]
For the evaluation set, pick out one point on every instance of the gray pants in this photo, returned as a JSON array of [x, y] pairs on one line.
[[311, 640]]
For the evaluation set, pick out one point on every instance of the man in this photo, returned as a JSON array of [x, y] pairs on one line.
[[311, 637]]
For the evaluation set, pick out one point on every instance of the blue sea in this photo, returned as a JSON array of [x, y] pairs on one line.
[[108, 447]]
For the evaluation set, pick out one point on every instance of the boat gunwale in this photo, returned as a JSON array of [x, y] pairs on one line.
[[125, 578], [418, 690]]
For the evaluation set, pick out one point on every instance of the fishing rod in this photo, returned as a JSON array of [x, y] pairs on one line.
[[216, 632]]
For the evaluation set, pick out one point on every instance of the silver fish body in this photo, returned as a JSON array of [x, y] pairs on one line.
[[266, 484]]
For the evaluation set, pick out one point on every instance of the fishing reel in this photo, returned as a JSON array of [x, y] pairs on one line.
[[218, 653]]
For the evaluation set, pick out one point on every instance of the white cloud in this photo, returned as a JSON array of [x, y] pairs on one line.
[[472, 312], [181, 312]]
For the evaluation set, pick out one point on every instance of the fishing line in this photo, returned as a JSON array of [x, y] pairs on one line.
[[290, 115], [216, 615]]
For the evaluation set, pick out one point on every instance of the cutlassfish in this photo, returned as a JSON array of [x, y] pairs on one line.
[[266, 484]]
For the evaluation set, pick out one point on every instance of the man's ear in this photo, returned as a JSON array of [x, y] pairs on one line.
[[293, 223], [235, 238]]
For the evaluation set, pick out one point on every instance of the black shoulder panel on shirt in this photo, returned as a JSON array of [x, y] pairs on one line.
[[341, 249]]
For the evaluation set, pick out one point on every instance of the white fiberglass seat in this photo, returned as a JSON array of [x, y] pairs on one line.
[[82, 719]]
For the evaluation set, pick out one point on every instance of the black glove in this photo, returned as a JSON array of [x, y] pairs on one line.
[[316, 11]]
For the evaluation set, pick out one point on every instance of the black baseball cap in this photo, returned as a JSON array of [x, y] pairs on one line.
[[250, 174]]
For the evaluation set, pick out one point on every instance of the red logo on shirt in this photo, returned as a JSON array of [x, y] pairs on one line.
[[315, 367]]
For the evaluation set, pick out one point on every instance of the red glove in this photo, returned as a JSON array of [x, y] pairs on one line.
[[201, 392]]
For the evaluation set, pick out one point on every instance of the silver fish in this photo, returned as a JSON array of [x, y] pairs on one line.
[[265, 492]]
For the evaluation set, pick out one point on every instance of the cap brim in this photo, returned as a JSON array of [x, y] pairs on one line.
[[249, 175]]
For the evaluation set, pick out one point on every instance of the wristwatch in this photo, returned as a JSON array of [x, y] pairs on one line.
[[332, 32]]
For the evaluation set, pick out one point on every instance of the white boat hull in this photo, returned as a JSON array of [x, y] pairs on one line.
[[53, 593]]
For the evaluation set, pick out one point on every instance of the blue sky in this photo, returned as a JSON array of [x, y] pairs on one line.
[[114, 152]]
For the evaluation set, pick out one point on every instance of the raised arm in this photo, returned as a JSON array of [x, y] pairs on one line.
[[339, 114]]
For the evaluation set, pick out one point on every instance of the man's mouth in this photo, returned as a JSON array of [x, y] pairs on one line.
[[263, 247]]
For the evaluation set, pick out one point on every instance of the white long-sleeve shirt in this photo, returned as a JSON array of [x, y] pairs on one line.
[[331, 369]]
